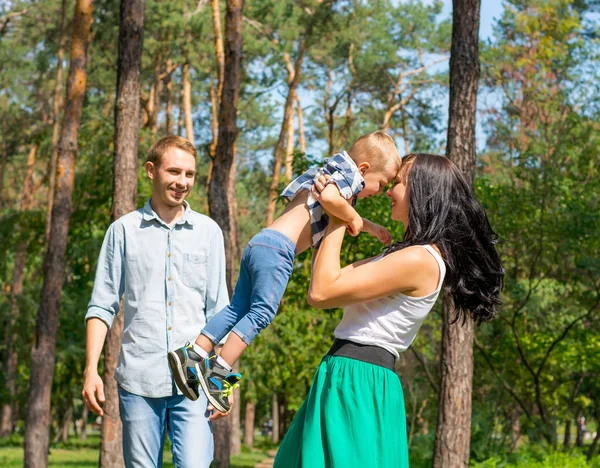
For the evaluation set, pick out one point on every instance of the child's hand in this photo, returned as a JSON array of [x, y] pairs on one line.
[[356, 226], [321, 182], [381, 233]]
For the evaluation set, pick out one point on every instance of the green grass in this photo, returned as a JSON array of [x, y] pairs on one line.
[[84, 454]]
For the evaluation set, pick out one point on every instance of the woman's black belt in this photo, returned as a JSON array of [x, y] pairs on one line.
[[366, 353]]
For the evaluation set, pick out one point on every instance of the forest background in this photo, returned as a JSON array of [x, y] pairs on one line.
[[315, 75]]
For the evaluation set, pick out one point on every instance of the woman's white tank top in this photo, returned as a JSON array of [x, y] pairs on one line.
[[390, 322]]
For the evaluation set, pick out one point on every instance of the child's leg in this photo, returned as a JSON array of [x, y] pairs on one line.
[[271, 267], [220, 324]]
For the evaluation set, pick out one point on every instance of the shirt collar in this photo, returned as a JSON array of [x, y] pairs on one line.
[[149, 214]]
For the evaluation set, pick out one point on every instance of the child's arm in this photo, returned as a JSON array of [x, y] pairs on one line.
[[333, 203], [377, 231]]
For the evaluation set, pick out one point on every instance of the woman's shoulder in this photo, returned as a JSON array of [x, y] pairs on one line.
[[420, 257]]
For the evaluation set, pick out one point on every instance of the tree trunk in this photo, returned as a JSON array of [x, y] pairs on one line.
[[275, 418], [66, 424], [301, 139], [289, 150], [220, 193], [84, 418], [235, 441], [453, 435], [125, 173], [187, 103], [249, 415], [515, 428], [37, 432], [3, 160], [282, 403], [10, 364], [579, 436], [594, 446], [57, 108], [218, 40], [169, 100], [567, 439], [287, 116]]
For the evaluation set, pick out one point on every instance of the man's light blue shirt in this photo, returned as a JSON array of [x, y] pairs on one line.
[[171, 279]]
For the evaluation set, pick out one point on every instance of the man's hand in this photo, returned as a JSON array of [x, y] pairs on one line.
[[217, 414], [93, 384]]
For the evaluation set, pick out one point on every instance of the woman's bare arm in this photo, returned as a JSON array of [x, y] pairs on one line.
[[410, 271]]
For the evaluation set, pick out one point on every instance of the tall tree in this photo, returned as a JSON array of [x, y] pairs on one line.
[[219, 189], [10, 366], [125, 176], [37, 433], [57, 108], [453, 435]]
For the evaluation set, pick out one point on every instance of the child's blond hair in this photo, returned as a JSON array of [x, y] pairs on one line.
[[378, 149]]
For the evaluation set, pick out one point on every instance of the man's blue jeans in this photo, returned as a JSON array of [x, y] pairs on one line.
[[145, 421], [266, 267]]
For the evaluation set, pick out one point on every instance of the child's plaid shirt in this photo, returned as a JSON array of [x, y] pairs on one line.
[[344, 173]]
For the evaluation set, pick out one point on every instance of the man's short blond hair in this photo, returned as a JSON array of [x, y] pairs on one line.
[[158, 149], [378, 149]]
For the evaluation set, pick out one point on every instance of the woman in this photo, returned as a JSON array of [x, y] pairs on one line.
[[354, 413]]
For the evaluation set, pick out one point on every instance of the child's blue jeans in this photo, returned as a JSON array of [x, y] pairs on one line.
[[266, 268]]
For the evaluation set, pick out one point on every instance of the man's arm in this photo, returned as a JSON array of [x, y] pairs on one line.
[[103, 306], [96, 331]]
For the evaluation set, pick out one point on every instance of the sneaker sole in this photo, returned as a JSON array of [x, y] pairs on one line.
[[180, 379], [216, 404]]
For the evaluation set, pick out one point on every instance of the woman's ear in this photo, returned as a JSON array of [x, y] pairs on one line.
[[364, 167]]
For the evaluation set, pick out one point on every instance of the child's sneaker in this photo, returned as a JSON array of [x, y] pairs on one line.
[[185, 366], [217, 383], [191, 370]]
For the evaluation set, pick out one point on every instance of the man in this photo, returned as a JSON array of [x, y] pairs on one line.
[[167, 262]]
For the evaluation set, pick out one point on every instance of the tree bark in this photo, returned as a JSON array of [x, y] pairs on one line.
[[216, 94], [187, 103], [84, 418], [287, 116], [10, 364], [57, 108], [594, 446], [579, 433], [567, 438], [169, 100], [37, 432], [235, 440], [220, 193], [289, 150], [453, 435], [3, 160], [275, 418], [125, 174], [249, 416], [301, 139]]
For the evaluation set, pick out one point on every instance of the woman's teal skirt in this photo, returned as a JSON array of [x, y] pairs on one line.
[[353, 416]]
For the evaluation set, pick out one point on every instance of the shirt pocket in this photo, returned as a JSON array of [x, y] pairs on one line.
[[195, 271]]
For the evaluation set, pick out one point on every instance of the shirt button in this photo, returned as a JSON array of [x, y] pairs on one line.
[[169, 279], [169, 255], [170, 328], [170, 303]]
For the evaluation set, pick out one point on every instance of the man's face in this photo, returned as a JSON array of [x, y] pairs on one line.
[[173, 177]]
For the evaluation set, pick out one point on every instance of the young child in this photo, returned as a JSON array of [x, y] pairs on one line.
[[267, 262]]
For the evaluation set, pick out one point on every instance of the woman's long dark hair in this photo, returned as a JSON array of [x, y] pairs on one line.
[[443, 210]]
